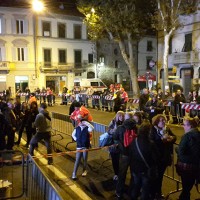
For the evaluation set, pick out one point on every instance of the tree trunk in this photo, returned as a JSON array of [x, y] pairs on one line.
[[130, 61], [165, 61]]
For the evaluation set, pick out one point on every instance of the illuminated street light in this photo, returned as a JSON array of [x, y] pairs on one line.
[[38, 6]]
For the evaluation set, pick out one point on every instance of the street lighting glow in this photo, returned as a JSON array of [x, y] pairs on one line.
[[93, 10], [38, 5]]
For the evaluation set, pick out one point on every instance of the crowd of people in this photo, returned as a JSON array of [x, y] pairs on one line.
[[15, 116], [142, 140], [149, 151]]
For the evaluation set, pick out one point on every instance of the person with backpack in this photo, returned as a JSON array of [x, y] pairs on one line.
[[43, 131], [124, 136], [82, 135], [144, 158], [188, 153]]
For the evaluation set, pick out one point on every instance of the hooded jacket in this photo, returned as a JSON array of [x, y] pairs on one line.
[[118, 136], [43, 121]]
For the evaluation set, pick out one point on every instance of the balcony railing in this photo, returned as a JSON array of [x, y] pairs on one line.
[[57, 67], [186, 57]]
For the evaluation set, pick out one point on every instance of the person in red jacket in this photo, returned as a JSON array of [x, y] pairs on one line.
[[80, 112]]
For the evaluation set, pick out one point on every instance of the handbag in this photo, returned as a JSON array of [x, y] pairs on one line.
[[152, 172]]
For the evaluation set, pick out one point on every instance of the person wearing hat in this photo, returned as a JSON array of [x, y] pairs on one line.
[[80, 112]]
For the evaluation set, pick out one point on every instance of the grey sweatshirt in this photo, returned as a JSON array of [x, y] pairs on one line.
[[42, 123]]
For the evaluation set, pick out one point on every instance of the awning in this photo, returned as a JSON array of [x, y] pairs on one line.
[[146, 76]]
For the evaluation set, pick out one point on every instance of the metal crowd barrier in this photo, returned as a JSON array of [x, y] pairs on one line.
[[171, 174], [61, 125], [63, 120], [41, 185]]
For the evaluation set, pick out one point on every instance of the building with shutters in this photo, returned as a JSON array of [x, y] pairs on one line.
[[46, 49], [184, 55]]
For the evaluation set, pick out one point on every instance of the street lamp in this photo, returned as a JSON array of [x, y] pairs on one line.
[[37, 6]]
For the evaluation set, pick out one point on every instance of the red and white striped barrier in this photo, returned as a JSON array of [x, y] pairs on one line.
[[188, 106], [108, 97], [133, 100], [95, 96]]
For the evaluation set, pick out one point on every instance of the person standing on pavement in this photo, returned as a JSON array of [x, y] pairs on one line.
[[114, 151], [30, 119], [144, 97], [118, 102], [164, 139], [139, 170], [179, 99], [81, 135], [10, 125], [188, 153], [124, 162], [80, 112], [154, 106], [124, 96], [43, 131]]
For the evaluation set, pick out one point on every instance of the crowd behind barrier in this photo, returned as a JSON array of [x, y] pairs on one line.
[[61, 125]]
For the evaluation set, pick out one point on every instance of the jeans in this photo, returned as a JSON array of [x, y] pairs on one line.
[[79, 155], [115, 161], [46, 136], [141, 183]]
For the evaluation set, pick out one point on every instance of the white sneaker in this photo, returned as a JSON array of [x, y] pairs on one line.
[[84, 173], [74, 176], [115, 178]]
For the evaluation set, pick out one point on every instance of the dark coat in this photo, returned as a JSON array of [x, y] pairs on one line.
[[165, 148], [179, 98], [118, 135], [149, 152], [189, 147], [143, 100]]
